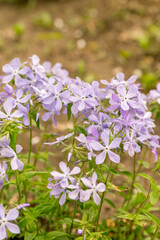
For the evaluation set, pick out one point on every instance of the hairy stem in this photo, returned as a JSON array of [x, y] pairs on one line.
[[133, 179], [102, 198], [18, 187], [74, 214], [30, 142]]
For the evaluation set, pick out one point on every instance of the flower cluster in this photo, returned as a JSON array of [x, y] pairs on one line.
[[66, 184], [115, 119]]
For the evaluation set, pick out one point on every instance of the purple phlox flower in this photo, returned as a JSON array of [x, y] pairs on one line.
[[58, 71], [8, 108], [25, 113], [32, 80], [76, 190], [80, 231], [8, 152], [154, 144], [13, 70], [96, 91], [84, 140], [121, 78], [19, 98], [91, 183], [57, 190], [41, 93], [123, 123], [36, 67], [2, 97], [3, 174], [9, 90], [154, 151], [100, 122], [51, 112], [126, 99], [66, 175], [48, 67], [155, 94], [147, 121], [61, 139], [4, 141], [106, 148], [57, 96], [22, 206], [131, 144], [5, 222], [49, 84], [82, 99]]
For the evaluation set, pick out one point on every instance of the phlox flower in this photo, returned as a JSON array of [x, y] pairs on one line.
[[82, 99], [8, 109], [91, 183], [13, 70], [3, 174], [131, 144], [66, 175], [126, 99], [8, 152], [106, 148], [61, 139], [20, 99], [51, 112], [5, 222]]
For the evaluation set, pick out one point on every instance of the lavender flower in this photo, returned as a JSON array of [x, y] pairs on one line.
[[3, 174], [13, 70], [12, 215], [66, 175], [8, 152], [8, 115], [91, 183], [106, 149]]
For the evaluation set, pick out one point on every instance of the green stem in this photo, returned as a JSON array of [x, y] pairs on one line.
[[74, 214], [18, 186], [141, 164], [30, 142], [133, 179], [102, 198], [153, 237]]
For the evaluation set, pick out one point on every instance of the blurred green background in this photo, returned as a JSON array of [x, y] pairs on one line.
[[93, 39]]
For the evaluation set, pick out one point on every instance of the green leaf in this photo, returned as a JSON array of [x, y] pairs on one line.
[[34, 116], [69, 110], [56, 234], [110, 203], [140, 187], [27, 175], [81, 130], [154, 197], [126, 173], [13, 139], [152, 218], [29, 236], [145, 176]]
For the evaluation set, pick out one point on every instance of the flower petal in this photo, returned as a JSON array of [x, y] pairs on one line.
[[13, 228], [12, 214]]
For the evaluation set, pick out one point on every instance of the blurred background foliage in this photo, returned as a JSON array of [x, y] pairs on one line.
[[93, 39]]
